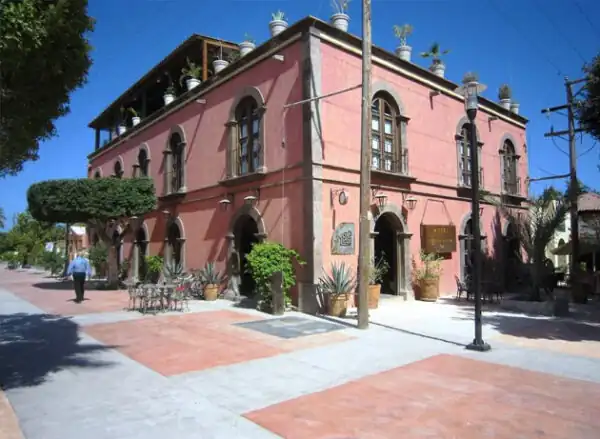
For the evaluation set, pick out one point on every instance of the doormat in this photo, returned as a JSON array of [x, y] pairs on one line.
[[291, 327]]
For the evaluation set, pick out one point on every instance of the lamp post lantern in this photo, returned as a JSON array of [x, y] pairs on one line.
[[471, 90]]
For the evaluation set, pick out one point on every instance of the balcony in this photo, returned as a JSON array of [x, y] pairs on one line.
[[174, 188], [465, 180], [391, 166], [511, 186]]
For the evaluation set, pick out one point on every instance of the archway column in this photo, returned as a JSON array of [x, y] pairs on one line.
[[404, 265]]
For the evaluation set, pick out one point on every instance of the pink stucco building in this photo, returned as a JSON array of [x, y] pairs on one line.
[[233, 164]]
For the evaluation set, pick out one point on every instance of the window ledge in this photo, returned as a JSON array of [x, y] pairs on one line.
[[173, 195], [246, 178], [393, 175]]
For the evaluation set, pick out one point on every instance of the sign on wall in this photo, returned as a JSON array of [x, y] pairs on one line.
[[342, 241], [438, 238]]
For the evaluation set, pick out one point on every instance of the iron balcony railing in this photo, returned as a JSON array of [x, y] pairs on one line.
[[392, 164], [465, 179], [512, 186], [173, 182]]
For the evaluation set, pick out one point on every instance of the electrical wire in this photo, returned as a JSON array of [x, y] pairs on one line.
[[559, 31], [587, 18], [590, 149]]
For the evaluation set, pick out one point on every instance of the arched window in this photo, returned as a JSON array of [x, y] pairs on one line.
[[509, 168], [388, 155], [97, 174], [248, 151], [174, 164], [118, 169], [174, 243], [142, 163], [562, 259], [465, 161]]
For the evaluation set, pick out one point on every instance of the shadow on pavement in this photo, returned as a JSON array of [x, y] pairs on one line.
[[35, 345], [58, 285]]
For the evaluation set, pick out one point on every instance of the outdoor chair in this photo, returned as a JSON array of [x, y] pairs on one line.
[[461, 287]]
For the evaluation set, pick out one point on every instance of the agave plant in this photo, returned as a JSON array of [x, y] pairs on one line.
[[504, 92], [278, 16], [191, 70], [209, 275], [173, 271], [402, 32], [435, 53], [339, 281], [470, 77], [340, 6], [536, 230]]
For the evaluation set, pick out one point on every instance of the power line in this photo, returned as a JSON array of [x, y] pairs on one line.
[[559, 31], [536, 47], [587, 18]]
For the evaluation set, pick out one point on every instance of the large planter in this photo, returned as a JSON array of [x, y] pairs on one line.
[[219, 64], [211, 292], [168, 98], [514, 107], [277, 26], [246, 47], [438, 69], [135, 120], [121, 129], [505, 103], [340, 21], [374, 294], [337, 304], [404, 52], [429, 290], [191, 83]]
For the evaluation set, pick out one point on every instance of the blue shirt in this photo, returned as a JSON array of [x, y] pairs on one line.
[[79, 265]]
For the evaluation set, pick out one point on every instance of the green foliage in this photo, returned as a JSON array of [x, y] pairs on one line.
[[192, 70], [470, 77], [45, 56], [154, 266], [340, 6], [378, 270], [339, 281], [588, 109], [267, 258], [2, 218], [504, 92], [53, 262], [124, 269], [402, 32], [28, 237], [173, 271], [209, 275], [10, 256], [435, 53], [84, 199], [430, 267], [98, 257], [278, 16]]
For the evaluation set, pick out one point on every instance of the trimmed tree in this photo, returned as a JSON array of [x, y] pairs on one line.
[[106, 205], [44, 56], [588, 109]]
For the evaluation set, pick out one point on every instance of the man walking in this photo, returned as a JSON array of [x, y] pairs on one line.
[[79, 268]]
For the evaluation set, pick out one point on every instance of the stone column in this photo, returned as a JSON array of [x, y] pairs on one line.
[[404, 265], [232, 292]]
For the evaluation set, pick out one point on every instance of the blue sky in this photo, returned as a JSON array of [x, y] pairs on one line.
[[530, 44]]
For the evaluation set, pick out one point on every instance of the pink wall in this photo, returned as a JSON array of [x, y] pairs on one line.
[[432, 155], [204, 224]]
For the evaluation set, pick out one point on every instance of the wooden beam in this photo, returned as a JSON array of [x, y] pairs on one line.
[[204, 60]]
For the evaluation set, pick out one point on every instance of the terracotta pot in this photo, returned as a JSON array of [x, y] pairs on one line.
[[374, 293], [429, 290], [211, 292], [337, 304]]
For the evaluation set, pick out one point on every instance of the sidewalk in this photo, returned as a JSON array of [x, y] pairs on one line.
[[97, 371]]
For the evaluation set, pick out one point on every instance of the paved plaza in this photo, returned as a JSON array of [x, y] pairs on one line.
[[96, 370]]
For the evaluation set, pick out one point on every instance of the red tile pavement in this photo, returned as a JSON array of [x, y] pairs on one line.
[[442, 397], [9, 425], [55, 297], [173, 345]]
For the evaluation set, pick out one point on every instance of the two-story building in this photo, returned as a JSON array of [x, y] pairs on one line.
[[242, 158]]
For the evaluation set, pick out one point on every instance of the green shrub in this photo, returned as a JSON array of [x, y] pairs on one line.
[[53, 262], [267, 258], [154, 267], [98, 257]]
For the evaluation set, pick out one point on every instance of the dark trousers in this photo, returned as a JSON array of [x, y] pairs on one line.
[[79, 282]]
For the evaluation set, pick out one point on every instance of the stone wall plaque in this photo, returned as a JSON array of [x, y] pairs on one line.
[[342, 241]]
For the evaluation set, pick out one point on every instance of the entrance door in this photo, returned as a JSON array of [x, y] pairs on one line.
[[391, 250], [245, 233], [141, 247]]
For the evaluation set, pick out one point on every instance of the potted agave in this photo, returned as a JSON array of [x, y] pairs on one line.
[[402, 32], [191, 75], [337, 287], [505, 95], [340, 18], [278, 23], [135, 118], [122, 127], [377, 271], [514, 107], [169, 95], [212, 280], [427, 276], [247, 46], [219, 63], [437, 65]]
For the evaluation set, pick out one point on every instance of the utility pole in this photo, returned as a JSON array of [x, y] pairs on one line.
[[573, 183], [364, 248]]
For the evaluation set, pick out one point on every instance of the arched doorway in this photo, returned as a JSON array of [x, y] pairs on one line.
[[245, 236], [390, 246], [118, 244], [141, 251], [174, 247]]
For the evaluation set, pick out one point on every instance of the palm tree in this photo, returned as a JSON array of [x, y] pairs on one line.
[[435, 53], [535, 231], [2, 218]]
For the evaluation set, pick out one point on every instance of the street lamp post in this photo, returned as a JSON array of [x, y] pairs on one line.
[[471, 90]]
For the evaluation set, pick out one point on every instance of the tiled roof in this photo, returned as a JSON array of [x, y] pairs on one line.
[[588, 202]]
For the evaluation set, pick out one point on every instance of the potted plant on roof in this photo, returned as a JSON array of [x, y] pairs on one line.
[[427, 275], [470, 77], [505, 95], [377, 271], [169, 95], [211, 279], [340, 18], [514, 107], [135, 118], [122, 127], [337, 287], [247, 46], [191, 75], [402, 32], [278, 23], [437, 65], [219, 63]]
